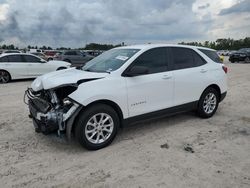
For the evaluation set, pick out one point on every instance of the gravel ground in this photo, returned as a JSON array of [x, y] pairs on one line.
[[178, 151]]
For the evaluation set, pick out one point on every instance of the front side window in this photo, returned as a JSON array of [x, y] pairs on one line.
[[155, 60], [110, 60], [15, 58], [30, 58], [186, 58]]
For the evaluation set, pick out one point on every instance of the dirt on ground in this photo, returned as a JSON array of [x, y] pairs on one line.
[[178, 151]]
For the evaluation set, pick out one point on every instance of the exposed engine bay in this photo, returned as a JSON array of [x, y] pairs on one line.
[[52, 110]]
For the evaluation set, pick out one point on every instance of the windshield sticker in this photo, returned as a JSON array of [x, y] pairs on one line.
[[121, 57]]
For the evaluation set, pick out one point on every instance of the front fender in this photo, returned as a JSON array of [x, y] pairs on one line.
[[112, 89]]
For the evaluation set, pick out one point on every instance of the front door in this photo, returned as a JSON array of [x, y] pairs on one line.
[[152, 91]]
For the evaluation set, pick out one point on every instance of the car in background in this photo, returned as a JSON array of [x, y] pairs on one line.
[[242, 54], [22, 65], [223, 52], [232, 52], [35, 50], [76, 58], [94, 53], [41, 55], [50, 54]]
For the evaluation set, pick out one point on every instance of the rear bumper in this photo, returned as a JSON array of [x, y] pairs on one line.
[[223, 96]]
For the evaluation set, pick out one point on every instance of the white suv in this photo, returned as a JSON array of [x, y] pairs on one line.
[[125, 85]]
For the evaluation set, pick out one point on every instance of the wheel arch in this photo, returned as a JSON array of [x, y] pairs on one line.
[[110, 103], [7, 72], [216, 87]]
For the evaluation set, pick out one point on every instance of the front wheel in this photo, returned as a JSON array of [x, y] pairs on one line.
[[208, 103], [97, 126]]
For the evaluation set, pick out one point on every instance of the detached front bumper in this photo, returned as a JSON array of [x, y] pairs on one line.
[[48, 117]]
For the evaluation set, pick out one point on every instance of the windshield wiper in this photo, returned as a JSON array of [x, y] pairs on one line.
[[87, 70]]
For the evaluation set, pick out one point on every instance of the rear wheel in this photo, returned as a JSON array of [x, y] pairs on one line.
[[97, 126], [208, 103], [4, 76]]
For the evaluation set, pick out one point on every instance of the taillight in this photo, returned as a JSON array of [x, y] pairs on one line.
[[225, 69]]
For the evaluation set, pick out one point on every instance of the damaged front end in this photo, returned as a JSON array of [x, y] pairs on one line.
[[52, 110]]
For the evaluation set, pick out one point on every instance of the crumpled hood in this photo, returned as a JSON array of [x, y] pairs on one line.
[[64, 77]]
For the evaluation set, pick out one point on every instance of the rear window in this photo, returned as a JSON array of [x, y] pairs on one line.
[[212, 55]]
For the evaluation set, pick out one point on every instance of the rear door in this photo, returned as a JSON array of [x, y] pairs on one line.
[[154, 90], [190, 73]]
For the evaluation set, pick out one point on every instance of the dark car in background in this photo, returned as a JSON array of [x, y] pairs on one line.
[[242, 54], [76, 58]]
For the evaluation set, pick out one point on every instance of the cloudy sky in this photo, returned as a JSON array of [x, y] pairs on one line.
[[73, 23]]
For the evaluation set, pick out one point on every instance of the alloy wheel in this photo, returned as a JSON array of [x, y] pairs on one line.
[[209, 103], [99, 128], [4, 77]]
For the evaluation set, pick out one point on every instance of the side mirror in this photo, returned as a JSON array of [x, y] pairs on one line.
[[136, 71]]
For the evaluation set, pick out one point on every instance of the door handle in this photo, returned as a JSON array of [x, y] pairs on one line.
[[203, 70], [166, 77]]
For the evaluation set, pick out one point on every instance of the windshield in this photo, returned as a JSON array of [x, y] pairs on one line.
[[110, 60], [244, 50]]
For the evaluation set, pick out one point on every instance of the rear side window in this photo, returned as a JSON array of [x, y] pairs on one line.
[[186, 58], [155, 60], [212, 55], [15, 58], [4, 59], [30, 58]]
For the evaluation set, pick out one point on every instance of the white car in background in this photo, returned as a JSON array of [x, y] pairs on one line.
[[20, 65]]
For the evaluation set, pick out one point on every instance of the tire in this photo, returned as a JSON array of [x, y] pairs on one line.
[[98, 129], [67, 60], [4, 77], [207, 109], [247, 60], [61, 68]]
